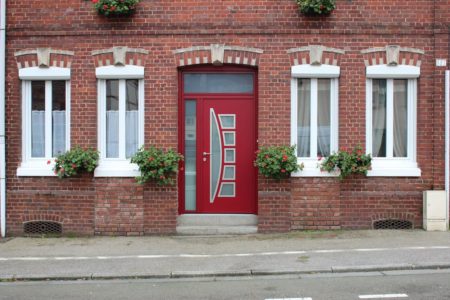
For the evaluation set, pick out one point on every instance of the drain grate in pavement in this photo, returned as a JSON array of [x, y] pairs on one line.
[[42, 227], [392, 224]]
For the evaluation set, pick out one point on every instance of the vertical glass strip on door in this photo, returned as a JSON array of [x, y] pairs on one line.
[[190, 151], [215, 155]]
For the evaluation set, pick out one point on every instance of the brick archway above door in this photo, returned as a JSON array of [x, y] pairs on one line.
[[217, 54]]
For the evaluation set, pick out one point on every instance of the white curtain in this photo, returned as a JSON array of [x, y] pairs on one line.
[[38, 133], [132, 132], [59, 132], [379, 118], [400, 118], [112, 134], [323, 117], [304, 118]]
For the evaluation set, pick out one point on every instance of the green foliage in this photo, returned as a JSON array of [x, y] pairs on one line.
[[318, 7], [157, 165], [75, 161], [347, 162], [115, 7], [277, 161]]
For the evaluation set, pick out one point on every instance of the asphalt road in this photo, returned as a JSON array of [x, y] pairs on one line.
[[387, 285]]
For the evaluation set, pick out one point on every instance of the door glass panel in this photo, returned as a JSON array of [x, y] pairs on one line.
[[229, 138], [37, 118], [400, 118], [112, 118], [218, 83], [227, 190], [228, 121], [190, 150], [215, 155], [59, 117], [379, 117], [230, 155], [304, 118], [132, 117], [229, 173], [323, 117]]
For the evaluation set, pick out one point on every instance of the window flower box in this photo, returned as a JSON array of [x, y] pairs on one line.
[[316, 7], [111, 8]]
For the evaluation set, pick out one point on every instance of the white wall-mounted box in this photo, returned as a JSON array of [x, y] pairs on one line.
[[434, 211]]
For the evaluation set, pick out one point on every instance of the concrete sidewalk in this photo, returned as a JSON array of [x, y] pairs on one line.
[[187, 256]]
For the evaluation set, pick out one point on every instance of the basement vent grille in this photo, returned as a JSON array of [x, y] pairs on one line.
[[42, 227], [392, 224]]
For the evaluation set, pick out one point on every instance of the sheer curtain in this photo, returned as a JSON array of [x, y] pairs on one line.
[[131, 132], [323, 117], [378, 117], [112, 133], [304, 118], [400, 118], [38, 133], [59, 132]]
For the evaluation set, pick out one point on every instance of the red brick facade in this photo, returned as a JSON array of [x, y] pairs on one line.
[[119, 206]]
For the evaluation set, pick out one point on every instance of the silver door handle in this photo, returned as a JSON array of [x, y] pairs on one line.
[[206, 153]]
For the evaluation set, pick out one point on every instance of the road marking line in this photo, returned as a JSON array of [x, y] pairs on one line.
[[307, 298], [187, 255], [383, 296]]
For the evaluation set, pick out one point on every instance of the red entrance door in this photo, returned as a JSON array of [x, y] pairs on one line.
[[219, 144]]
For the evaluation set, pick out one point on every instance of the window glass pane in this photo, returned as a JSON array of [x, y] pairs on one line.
[[229, 173], [218, 83], [400, 118], [227, 190], [132, 117], [216, 155], [323, 117], [112, 118], [304, 118], [228, 121], [38, 119], [229, 138], [379, 117], [190, 150], [58, 117]]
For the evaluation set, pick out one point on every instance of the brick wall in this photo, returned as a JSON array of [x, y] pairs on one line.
[[119, 206]]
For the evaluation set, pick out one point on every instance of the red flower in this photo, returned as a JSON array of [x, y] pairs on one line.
[[161, 177], [113, 8], [105, 6], [150, 159], [283, 171], [48, 162], [74, 166], [267, 156], [322, 7], [94, 1], [285, 158]]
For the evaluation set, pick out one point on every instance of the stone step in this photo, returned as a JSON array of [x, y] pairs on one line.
[[216, 230], [217, 220]]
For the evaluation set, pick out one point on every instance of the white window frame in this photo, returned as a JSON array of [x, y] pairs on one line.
[[118, 167], [312, 163], [38, 166], [390, 166]]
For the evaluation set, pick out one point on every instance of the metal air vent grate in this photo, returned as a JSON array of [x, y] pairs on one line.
[[42, 227], [392, 224]]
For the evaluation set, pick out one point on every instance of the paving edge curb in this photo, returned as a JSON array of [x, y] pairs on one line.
[[249, 273]]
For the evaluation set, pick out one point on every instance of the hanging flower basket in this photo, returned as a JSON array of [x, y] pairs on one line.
[[115, 7], [316, 7]]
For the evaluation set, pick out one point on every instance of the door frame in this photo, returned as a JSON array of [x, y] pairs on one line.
[[181, 112]]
